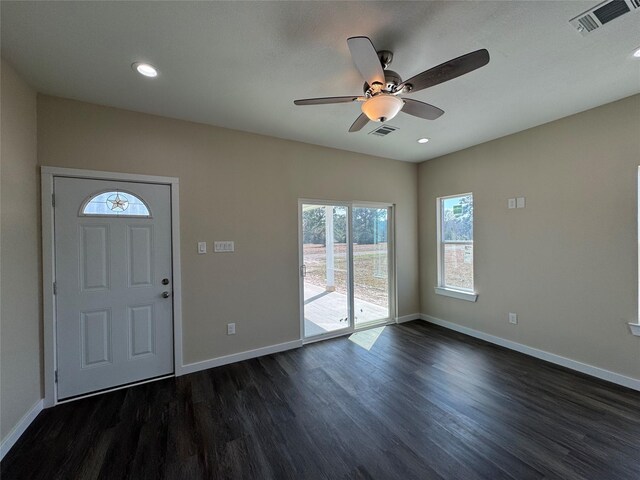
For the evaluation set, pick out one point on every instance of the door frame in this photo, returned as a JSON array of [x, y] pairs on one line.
[[393, 313], [350, 327], [47, 177], [392, 293]]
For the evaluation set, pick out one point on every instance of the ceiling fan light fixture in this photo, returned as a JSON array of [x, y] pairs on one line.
[[382, 107]]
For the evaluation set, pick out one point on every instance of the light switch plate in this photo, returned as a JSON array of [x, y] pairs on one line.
[[224, 246], [513, 318], [511, 203], [520, 202], [202, 247]]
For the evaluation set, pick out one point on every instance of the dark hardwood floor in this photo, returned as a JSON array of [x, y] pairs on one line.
[[422, 403]]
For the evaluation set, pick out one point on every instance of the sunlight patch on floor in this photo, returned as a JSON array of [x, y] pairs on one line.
[[366, 338]]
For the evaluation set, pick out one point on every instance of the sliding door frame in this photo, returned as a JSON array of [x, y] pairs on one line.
[[391, 264], [350, 327], [391, 259]]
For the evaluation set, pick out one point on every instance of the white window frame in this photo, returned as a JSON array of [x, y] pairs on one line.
[[635, 327], [441, 288]]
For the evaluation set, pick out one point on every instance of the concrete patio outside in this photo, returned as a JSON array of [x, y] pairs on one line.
[[327, 311]]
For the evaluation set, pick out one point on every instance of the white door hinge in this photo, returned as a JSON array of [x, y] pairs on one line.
[[53, 199], [55, 288]]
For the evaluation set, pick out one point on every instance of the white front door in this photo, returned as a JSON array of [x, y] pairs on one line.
[[114, 320]]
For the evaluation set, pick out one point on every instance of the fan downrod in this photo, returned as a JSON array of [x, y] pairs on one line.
[[385, 57]]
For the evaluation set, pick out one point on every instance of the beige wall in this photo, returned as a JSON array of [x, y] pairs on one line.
[[234, 186], [20, 356], [567, 263]]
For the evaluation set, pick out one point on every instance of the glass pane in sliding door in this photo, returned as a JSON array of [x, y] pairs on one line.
[[325, 269], [370, 264]]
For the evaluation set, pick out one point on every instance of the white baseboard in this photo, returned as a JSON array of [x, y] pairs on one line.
[[408, 318], [238, 357], [15, 433], [601, 373]]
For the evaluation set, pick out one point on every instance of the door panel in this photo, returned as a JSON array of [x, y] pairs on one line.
[[371, 265], [140, 251], [142, 335], [325, 258], [113, 325], [95, 335], [94, 257]]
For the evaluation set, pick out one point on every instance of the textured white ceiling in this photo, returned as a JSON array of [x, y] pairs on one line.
[[240, 65]]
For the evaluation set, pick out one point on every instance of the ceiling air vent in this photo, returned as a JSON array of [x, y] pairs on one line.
[[602, 14], [383, 130]]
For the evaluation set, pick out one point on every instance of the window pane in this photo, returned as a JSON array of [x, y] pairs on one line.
[[458, 266], [457, 218], [116, 203]]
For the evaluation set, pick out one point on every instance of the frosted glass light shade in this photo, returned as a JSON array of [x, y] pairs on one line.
[[145, 69], [382, 107]]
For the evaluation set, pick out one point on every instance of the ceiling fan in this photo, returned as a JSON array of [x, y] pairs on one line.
[[383, 88]]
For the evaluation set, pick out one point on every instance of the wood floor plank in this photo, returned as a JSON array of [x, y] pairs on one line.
[[421, 402]]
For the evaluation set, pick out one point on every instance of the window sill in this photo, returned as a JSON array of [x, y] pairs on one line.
[[459, 294], [635, 328]]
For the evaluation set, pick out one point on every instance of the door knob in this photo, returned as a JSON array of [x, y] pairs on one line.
[[165, 281], [166, 294]]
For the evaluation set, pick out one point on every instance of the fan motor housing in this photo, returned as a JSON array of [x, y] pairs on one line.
[[392, 80]]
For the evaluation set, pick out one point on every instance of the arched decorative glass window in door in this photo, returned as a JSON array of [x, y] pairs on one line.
[[115, 203]]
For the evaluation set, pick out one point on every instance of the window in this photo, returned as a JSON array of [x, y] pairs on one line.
[[455, 246], [115, 203]]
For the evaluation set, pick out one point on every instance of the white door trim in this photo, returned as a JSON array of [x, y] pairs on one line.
[[48, 264]]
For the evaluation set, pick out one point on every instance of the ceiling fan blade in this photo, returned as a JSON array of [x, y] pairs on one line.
[[325, 100], [360, 122], [449, 70], [366, 59], [421, 109]]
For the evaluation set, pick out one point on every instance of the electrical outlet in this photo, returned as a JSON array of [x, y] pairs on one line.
[[513, 318], [231, 328]]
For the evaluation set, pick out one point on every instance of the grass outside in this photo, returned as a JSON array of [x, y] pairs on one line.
[[458, 266], [370, 270]]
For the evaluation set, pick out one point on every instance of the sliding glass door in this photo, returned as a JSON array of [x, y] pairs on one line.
[[345, 267], [324, 269], [371, 266]]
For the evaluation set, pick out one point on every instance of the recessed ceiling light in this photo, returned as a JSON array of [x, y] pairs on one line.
[[637, 53], [145, 69], [423, 140]]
